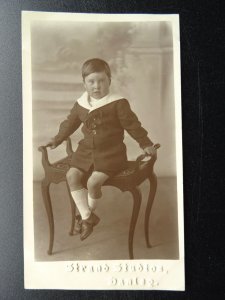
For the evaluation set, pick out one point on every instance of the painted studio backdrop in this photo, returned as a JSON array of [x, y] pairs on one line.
[[141, 59]]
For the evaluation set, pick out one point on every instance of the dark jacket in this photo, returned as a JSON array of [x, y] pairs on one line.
[[103, 128]]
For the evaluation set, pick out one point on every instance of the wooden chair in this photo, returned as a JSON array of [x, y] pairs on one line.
[[128, 180]]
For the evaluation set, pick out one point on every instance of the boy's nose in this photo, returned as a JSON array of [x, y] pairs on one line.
[[96, 85]]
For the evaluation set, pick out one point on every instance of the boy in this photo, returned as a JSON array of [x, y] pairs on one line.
[[104, 117]]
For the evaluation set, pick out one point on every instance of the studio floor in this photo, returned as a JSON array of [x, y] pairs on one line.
[[109, 240]]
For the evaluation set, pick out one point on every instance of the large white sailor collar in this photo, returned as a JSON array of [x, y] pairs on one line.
[[83, 101]]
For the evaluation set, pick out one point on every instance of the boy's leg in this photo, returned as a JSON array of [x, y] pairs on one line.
[[94, 185], [74, 178], [78, 192]]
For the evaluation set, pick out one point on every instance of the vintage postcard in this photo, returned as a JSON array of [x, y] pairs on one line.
[[103, 179]]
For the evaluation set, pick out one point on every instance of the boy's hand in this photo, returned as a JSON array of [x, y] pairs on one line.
[[52, 144], [151, 150]]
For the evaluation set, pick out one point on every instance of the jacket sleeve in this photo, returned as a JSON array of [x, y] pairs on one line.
[[68, 126], [131, 124]]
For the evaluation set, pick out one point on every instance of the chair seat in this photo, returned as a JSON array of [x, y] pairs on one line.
[[133, 175]]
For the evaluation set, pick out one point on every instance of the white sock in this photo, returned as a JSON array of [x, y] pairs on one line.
[[80, 199], [92, 203]]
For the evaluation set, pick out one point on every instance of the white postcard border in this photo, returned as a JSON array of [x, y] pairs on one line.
[[125, 274]]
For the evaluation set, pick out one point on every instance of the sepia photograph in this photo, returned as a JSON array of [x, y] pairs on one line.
[[103, 198]]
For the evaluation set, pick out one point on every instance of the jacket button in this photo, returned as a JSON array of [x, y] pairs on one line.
[[94, 131]]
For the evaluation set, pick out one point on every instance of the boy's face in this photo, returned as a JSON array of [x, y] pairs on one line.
[[97, 84]]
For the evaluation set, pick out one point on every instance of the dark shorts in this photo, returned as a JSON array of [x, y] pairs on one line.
[[110, 173]]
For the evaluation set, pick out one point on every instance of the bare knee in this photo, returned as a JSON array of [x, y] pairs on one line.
[[93, 183], [74, 179]]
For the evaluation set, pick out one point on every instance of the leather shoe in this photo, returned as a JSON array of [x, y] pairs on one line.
[[78, 223], [87, 226]]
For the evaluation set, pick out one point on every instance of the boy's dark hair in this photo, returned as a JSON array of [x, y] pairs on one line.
[[95, 65]]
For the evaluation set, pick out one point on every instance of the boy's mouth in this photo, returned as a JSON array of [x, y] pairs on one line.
[[96, 94]]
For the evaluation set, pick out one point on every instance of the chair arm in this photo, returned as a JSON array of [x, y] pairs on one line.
[[142, 156], [45, 160], [43, 149]]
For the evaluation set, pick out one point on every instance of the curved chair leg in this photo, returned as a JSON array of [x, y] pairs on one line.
[[47, 201], [151, 196], [136, 208], [73, 210]]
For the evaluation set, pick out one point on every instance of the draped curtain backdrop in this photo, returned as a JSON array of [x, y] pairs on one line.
[[141, 59]]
